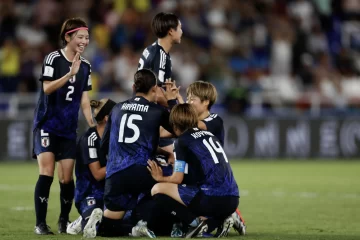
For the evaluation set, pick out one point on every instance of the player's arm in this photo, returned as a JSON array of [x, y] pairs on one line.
[[97, 171], [177, 176], [179, 167], [85, 106], [52, 85], [91, 156], [165, 134]]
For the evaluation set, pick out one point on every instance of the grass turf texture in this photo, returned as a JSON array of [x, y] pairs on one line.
[[280, 200]]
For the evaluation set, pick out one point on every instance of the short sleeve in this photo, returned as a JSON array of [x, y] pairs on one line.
[[87, 82], [89, 149], [179, 151], [161, 65], [215, 125], [49, 66]]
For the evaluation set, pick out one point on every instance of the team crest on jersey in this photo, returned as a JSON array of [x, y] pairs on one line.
[[45, 141], [91, 201]]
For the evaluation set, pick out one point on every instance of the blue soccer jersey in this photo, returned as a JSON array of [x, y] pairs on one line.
[[87, 152], [202, 151], [155, 58], [132, 133], [58, 112], [215, 125]]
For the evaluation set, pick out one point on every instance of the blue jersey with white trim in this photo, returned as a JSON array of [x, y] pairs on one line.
[[203, 153], [132, 133], [87, 152], [155, 58], [57, 112]]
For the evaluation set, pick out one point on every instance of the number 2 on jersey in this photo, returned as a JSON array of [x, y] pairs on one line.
[[210, 145], [71, 91], [129, 125]]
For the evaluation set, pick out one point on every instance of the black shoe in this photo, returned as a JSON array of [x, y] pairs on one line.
[[43, 229], [62, 225], [198, 230]]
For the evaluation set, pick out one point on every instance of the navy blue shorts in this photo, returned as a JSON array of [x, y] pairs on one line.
[[187, 193], [89, 204], [123, 188], [219, 207], [62, 148]]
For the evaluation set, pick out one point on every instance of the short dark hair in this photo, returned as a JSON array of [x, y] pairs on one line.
[[183, 117], [144, 80], [69, 25], [163, 22]]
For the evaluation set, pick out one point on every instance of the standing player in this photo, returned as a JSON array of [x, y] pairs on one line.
[[90, 171], [133, 135], [65, 81], [167, 28], [216, 185]]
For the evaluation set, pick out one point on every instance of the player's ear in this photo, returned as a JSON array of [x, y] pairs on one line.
[[67, 38], [133, 87], [206, 103], [106, 118]]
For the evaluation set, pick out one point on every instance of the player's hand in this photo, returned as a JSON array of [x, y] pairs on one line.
[[75, 66], [171, 91], [155, 170]]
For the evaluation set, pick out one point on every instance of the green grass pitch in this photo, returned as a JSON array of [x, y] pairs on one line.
[[280, 200]]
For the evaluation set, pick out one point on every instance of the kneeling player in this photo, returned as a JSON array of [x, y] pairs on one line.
[[216, 195], [202, 96], [90, 172]]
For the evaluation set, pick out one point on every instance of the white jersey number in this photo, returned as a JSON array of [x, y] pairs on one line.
[[71, 91], [210, 145], [129, 124]]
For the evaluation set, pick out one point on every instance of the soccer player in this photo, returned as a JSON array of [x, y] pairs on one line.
[[167, 28], [65, 81], [132, 133], [90, 171], [216, 186], [202, 95]]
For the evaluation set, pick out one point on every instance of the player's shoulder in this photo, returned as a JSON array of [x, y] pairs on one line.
[[84, 60], [51, 58], [213, 117], [89, 135], [153, 47]]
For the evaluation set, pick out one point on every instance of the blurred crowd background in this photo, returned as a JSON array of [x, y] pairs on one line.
[[264, 56]]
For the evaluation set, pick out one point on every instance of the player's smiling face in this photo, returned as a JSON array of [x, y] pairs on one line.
[[79, 41], [200, 106]]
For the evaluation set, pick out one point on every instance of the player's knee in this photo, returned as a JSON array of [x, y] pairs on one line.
[[156, 189], [66, 179]]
